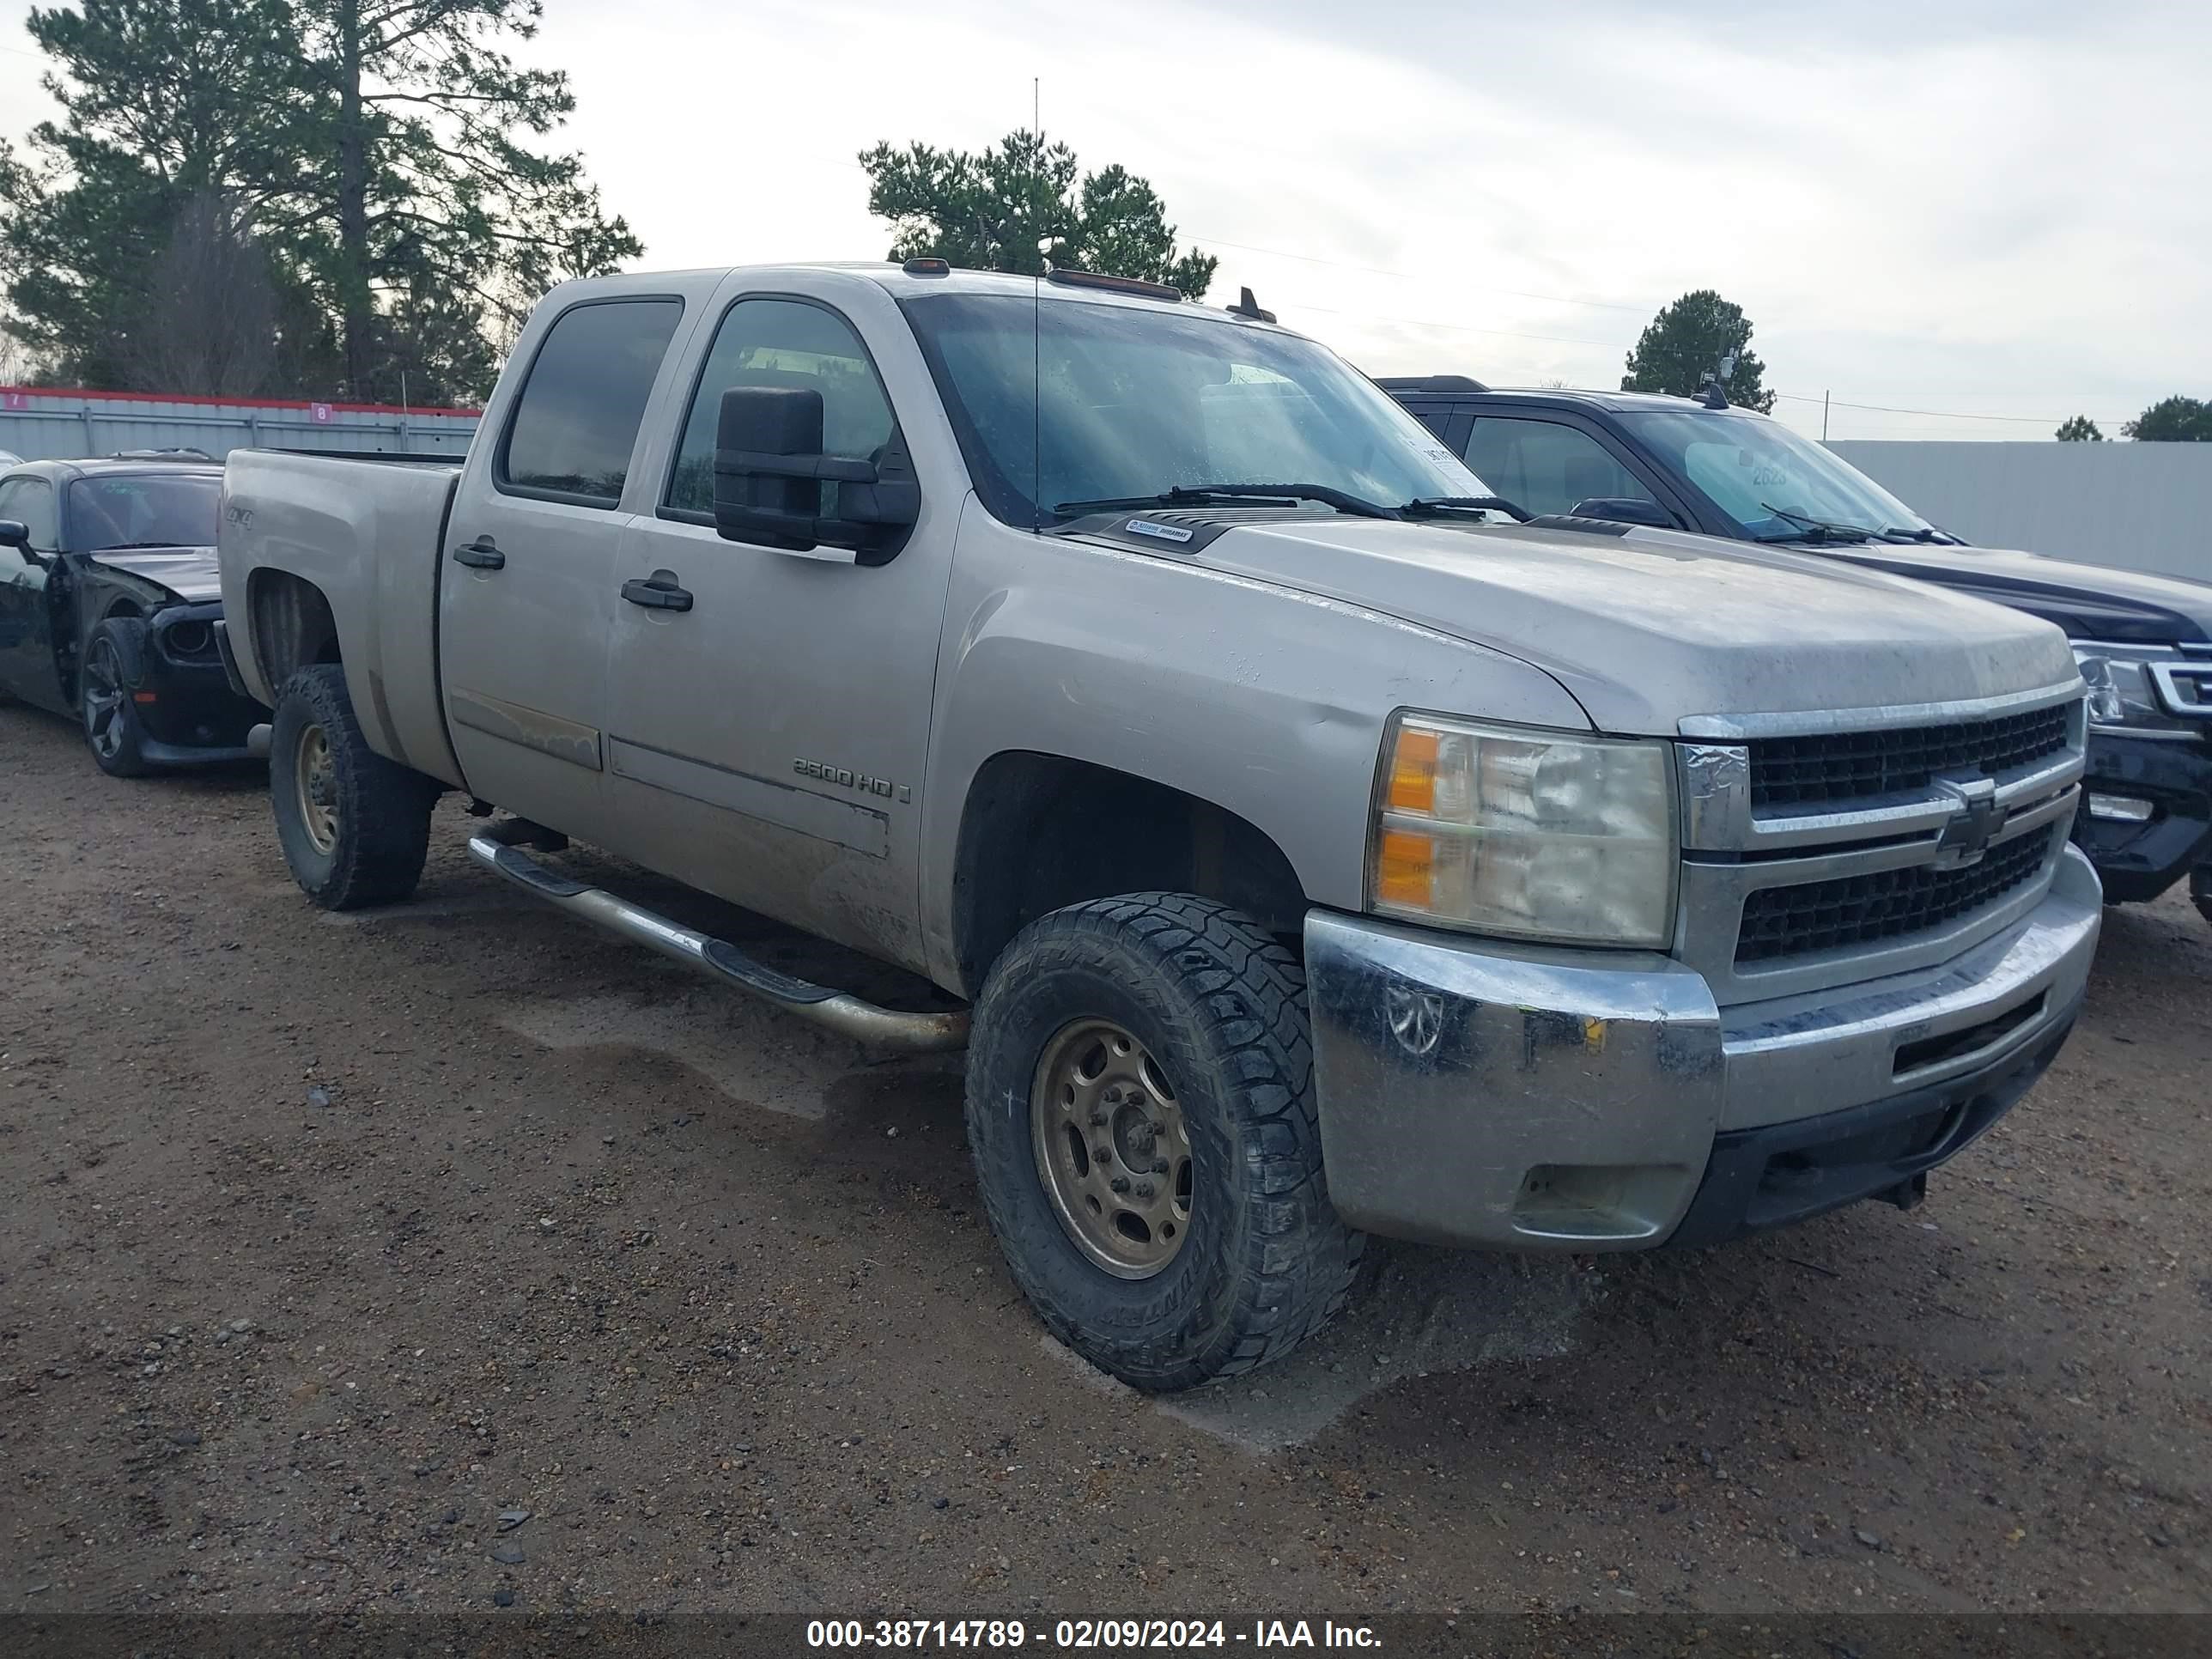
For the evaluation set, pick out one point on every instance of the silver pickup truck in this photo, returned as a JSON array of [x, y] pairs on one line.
[[1316, 852]]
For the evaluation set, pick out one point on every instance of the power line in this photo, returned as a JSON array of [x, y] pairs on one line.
[[1457, 328], [1941, 414], [1381, 271]]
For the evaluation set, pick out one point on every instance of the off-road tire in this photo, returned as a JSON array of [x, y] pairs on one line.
[[383, 810], [115, 650], [1221, 1006]]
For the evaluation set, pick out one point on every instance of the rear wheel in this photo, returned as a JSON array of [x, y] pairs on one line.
[[355, 827], [114, 667], [1141, 1105]]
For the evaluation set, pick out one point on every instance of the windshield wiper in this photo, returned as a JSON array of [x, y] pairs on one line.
[[1423, 505], [1185, 495], [1927, 533], [125, 547], [1818, 529]]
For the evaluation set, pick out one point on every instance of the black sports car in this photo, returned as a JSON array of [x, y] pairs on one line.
[[108, 600]]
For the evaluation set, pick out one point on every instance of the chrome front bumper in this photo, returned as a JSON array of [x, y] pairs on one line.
[[1478, 1094]]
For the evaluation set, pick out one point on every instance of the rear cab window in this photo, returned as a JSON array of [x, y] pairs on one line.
[[575, 422]]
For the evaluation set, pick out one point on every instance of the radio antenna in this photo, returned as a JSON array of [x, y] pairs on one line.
[[1036, 308]]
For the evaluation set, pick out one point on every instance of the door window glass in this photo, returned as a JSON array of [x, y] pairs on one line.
[[1542, 466], [784, 342], [31, 500], [576, 422]]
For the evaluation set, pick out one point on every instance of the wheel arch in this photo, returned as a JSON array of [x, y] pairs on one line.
[[291, 623], [1039, 832]]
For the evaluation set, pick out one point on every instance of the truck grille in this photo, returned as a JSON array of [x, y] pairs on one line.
[[1843, 766], [1825, 915]]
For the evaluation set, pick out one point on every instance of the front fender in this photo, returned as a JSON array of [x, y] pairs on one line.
[[1267, 703]]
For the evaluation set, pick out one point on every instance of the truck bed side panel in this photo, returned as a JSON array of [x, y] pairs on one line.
[[368, 534]]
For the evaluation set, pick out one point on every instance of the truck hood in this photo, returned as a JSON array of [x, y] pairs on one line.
[[1649, 627], [2088, 601], [190, 573]]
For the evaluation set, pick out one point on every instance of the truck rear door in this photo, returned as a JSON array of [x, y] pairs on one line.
[[766, 743], [528, 593]]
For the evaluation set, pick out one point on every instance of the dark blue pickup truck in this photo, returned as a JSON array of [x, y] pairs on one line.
[[2144, 643]]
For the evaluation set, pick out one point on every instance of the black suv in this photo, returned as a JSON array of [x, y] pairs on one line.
[[2144, 643]]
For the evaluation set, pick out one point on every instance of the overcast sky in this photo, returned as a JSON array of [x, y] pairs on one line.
[[1998, 209]]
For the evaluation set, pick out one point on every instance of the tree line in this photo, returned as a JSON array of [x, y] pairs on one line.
[[349, 199], [341, 198]]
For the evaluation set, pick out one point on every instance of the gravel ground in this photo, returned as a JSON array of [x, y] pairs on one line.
[[331, 1246]]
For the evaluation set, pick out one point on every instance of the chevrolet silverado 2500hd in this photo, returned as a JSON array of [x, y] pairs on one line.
[[1316, 856]]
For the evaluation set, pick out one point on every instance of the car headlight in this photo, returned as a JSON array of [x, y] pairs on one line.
[[2140, 685], [1522, 833]]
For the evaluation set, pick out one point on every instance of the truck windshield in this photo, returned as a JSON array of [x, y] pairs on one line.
[[146, 509], [1068, 402], [1752, 467]]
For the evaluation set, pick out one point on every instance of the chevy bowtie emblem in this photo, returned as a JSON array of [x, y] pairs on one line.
[[1975, 819]]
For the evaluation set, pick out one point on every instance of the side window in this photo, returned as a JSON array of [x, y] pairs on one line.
[[781, 343], [1545, 467], [576, 422], [32, 501]]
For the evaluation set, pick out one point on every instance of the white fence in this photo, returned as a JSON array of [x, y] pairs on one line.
[[2134, 507], [43, 424]]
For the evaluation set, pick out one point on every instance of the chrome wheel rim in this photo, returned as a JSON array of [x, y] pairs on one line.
[[314, 782], [1112, 1149], [103, 701]]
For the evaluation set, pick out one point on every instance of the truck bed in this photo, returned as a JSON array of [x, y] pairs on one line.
[[366, 532]]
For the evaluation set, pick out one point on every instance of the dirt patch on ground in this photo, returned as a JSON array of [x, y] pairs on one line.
[[326, 1243]]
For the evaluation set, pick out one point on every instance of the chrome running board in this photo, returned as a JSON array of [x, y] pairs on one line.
[[716, 959]]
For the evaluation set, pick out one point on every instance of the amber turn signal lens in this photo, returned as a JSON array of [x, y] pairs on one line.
[[1413, 771], [1403, 864]]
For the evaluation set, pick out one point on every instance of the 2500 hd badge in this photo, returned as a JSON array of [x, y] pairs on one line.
[[846, 777]]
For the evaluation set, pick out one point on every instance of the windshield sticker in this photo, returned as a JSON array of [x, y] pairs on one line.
[[1166, 533], [1423, 443]]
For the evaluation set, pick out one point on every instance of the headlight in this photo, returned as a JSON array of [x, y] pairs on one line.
[[2125, 685], [1518, 832]]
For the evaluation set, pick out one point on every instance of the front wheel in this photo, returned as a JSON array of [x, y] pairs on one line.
[[114, 665], [1141, 1104], [355, 827]]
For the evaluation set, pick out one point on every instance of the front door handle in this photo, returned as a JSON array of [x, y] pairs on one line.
[[659, 592], [479, 555]]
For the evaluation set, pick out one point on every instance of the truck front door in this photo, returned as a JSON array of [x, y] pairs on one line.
[[766, 743], [527, 593]]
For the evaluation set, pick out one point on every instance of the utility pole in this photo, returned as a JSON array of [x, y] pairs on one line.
[[1824, 414]]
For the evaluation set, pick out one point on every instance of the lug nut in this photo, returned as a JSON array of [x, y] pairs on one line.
[[1097, 1118], [1160, 1168], [1144, 1189], [1120, 1183], [1103, 1153]]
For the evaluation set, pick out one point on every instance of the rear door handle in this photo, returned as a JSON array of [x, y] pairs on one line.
[[479, 555], [659, 592]]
